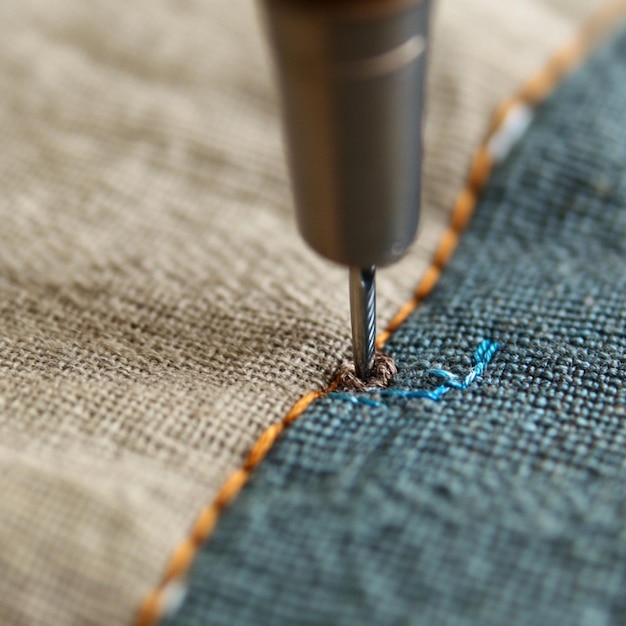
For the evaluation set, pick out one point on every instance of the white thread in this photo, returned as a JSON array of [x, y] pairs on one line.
[[173, 597], [515, 124]]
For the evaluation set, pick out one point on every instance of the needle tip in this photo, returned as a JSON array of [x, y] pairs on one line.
[[363, 315]]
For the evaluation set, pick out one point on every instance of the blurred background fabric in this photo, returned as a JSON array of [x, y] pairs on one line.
[[157, 308]]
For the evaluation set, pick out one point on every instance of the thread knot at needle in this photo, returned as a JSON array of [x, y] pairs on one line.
[[380, 377], [348, 379]]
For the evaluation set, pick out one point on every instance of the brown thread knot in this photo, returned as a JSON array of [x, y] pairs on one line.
[[384, 371]]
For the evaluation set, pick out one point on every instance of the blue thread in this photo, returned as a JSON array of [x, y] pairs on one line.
[[482, 356], [354, 399], [442, 374]]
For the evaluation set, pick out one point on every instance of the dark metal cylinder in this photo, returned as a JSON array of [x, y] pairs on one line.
[[351, 76]]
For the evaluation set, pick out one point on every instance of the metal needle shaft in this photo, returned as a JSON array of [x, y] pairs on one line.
[[363, 315]]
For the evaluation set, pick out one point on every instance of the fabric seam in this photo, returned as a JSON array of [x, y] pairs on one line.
[[532, 92]]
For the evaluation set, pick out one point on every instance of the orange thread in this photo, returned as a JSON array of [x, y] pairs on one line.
[[382, 339], [181, 559], [205, 523], [263, 445], [400, 316], [231, 488], [427, 284], [502, 110], [151, 609], [447, 246], [463, 209], [480, 169], [535, 89], [567, 57], [301, 405]]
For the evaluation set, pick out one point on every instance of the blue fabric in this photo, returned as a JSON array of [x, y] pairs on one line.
[[501, 503]]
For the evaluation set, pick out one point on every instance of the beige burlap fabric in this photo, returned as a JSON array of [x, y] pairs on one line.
[[157, 308]]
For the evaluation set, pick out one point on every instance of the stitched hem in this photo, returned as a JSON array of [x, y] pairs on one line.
[[504, 129]]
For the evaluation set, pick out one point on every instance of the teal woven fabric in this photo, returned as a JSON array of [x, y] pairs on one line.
[[503, 502]]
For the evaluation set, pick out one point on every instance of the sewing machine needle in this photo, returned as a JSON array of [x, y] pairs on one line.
[[363, 315]]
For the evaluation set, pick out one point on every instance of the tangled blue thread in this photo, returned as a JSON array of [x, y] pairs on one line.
[[482, 356]]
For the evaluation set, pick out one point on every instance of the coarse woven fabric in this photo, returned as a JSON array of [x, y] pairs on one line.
[[157, 309], [500, 504]]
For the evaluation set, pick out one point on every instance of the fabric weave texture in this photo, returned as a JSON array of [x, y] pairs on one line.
[[158, 310], [503, 503]]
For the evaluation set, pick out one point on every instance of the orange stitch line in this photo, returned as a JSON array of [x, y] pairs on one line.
[[502, 110], [535, 89], [301, 405], [231, 488], [151, 609], [382, 338], [481, 166], [426, 285], [447, 246], [401, 315], [463, 208], [205, 523], [570, 55], [263, 445], [181, 559]]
